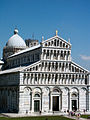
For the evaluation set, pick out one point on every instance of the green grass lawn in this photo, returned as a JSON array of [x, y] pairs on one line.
[[37, 118], [85, 116]]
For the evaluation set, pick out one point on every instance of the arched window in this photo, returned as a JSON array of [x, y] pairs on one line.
[[60, 44], [51, 43], [85, 79], [44, 51], [49, 66], [69, 76], [61, 54], [53, 66], [46, 44], [47, 53], [74, 95], [66, 46], [55, 54], [63, 44], [56, 78], [73, 78], [35, 77], [72, 69], [45, 76], [56, 66], [55, 90], [54, 42], [36, 95], [36, 68], [31, 77], [49, 78], [57, 42]]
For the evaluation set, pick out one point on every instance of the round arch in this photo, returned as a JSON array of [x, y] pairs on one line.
[[37, 89], [56, 88], [74, 88], [28, 88]]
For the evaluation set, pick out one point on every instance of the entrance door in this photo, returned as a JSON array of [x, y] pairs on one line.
[[36, 106], [55, 103], [74, 105]]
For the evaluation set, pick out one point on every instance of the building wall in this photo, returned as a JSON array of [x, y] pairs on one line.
[[51, 79], [9, 99], [24, 58], [9, 92], [46, 93], [9, 79]]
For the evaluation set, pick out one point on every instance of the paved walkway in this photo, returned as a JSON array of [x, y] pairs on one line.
[[37, 114], [31, 114], [76, 118]]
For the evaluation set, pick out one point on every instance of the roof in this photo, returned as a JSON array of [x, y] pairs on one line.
[[16, 41], [12, 70], [31, 40], [59, 38], [26, 50], [79, 66]]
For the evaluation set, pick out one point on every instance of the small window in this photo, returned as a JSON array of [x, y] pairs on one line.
[[36, 68], [47, 53], [56, 78], [54, 42], [60, 44], [57, 42], [46, 44], [73, 78], [55, 90], [85, 79], [36, 95], [63, 44], [74, 95], [34, 44], [66, 46]]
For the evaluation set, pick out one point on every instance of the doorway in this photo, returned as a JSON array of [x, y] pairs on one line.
[[55, 103], [36, 105], [74, 105]]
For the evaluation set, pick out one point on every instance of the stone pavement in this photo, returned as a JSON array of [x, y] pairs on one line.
[[75, 118], [31, 114], [43, 114]]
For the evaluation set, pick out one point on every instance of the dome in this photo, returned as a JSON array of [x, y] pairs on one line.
[[16, 40], [1, 62]]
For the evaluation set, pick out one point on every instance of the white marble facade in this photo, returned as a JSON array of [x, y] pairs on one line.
[[44, 79]]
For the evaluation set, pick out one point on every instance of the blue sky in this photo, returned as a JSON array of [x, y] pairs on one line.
[[42, 17]]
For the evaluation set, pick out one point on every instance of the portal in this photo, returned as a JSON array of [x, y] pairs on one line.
[[36, 105], [74, 105], [55, 103]]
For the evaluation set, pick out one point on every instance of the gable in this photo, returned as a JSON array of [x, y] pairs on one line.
[[56, 41], [54, 67], [77, 68], [32, 67]]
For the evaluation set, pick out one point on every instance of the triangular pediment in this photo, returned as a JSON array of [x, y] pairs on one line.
[[55, 67], [56, 41], [32, 67], [77, 68]]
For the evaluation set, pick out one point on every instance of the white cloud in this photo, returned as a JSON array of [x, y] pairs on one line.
[[84, 57]]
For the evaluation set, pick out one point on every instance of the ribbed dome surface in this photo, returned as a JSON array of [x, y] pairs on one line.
[[16, 41]]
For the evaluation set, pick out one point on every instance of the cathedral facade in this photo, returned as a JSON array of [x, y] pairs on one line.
[[42, 77]]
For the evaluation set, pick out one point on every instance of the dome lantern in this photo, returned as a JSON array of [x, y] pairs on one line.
[[16, 31]]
